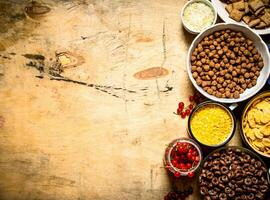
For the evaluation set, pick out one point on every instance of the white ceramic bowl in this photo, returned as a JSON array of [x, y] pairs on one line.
[[194, 1], [259, 44]]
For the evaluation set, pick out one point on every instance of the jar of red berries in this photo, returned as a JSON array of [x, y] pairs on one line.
[[183, 157]]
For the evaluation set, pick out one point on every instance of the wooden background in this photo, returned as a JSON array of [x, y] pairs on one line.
[[98, 132]]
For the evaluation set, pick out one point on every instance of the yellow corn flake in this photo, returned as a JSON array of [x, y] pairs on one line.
[[266, 142], [265, 130], [258, 115], [250, 133], [263, 105], [258, 134], [211, 124], [258, 143], [265, 117], [245, 127], [250, 118], [255, 147]]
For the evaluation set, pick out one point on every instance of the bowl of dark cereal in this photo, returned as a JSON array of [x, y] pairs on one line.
[[228, 63], [233, 173]]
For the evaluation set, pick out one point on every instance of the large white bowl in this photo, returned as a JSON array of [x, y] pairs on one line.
[[259, 44], [224, 15]]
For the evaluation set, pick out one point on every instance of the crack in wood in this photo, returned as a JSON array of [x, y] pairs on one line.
[[34, 56], [164, 51], [93, 36], [126, 60], [54, 70], [164, 44], [39, 66], [73, 6], [167, 88], [5, 57]]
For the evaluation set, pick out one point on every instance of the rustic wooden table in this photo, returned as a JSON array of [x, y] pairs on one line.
[[95, 127]]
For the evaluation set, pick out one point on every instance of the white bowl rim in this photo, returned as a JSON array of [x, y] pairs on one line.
[[225, 100], [193, 1]]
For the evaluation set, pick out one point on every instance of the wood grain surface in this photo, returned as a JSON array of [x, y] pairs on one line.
[[95, 127]]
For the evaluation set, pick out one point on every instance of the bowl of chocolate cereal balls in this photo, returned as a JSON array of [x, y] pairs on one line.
[[233, 173], [228, 63]]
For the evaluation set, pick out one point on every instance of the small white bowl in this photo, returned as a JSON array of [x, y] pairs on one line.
[[194, 1], [259, 44]]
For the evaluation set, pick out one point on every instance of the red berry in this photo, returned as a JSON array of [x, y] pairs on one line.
[[180, 149], [189, 155], [177, 174], [191, 98], [179, 111], [191, 174], [193, 158], [185, 150], [187, 112], [190, 106], [194, 153], [197, 159], [182, 166], [181, 105], [183, 157], [175, 163], [188, 165], [178, 166], [178, 144], [183, 115], [177, 158]]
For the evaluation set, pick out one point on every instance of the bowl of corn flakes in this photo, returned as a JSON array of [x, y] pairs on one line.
[[255, 124]]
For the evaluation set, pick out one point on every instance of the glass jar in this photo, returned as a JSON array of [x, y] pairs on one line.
[[183, 157]]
